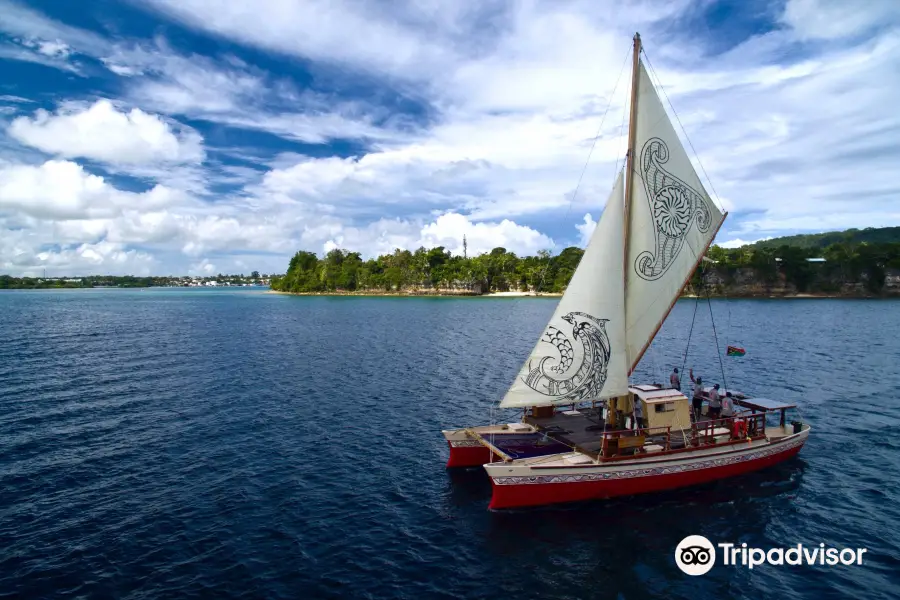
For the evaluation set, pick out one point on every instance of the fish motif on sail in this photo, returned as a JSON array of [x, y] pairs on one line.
[[566, 380], [675, 207]]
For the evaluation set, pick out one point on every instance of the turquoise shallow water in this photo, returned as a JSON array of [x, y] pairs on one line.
[[238, 444]]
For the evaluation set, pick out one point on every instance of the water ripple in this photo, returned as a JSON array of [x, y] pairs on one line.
[[202, 444]]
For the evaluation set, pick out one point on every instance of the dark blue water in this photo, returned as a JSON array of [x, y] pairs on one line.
[[234, 444]]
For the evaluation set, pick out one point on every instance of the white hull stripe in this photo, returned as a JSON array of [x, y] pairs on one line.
[[666, 470]]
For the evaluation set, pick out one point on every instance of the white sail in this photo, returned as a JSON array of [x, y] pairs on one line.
[[671, 222], [581, 354]]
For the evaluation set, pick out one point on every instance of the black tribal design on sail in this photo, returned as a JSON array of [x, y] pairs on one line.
[[675, 206], [566, 380]]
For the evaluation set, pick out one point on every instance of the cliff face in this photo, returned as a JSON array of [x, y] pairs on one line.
[[747, 282]]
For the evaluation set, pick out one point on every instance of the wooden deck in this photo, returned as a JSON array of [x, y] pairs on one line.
[[583, 430]]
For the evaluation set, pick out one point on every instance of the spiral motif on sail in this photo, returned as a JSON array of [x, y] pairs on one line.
[[672, 212], [674, 205], [565, 380]]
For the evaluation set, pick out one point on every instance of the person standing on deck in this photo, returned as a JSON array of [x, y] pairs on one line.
[[715, 404], [698, 395], [675, 380], [638, 414], [727, 406]]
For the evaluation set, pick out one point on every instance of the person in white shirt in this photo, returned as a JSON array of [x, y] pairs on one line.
[[638, 415], [715, 404]]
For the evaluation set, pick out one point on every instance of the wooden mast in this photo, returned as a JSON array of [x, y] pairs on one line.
[[629, 173]]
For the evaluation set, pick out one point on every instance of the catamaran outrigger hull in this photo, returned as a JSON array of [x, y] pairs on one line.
[[467, 449], [517, 486]]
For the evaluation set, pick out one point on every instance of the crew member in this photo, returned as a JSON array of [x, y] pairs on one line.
[[675, 380], [698, 395]]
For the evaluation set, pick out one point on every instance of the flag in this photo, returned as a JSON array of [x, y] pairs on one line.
[[735, 351]]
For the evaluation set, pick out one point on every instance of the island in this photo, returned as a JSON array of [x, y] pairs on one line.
[[852, 263], [856, 263]]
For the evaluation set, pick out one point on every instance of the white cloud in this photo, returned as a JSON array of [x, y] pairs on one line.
[[586, 229], [23, 253], [447, 230], [226, 91], [738, 242], [785, 124], [53, 48], [834, 19], [23, 22], [325, 30], [204, 268], [22, 53], [60, 190], [104, 133]]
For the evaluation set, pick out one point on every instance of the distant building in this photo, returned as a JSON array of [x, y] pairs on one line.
[[812, 260]]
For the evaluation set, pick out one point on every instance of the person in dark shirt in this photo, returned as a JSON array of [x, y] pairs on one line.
[[698, 395], [675, 380]]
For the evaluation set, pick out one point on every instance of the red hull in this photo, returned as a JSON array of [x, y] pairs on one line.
[[468, 456], [536, 494]]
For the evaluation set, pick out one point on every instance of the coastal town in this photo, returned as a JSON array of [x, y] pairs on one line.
[[255, 279]]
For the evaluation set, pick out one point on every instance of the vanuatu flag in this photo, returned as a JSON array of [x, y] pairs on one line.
[[735, 351]]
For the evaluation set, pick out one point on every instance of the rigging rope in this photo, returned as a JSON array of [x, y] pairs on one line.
[[593, 144], [688, 345], [715, 335]]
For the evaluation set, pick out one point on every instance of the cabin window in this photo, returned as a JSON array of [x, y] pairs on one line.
[[665, 407]]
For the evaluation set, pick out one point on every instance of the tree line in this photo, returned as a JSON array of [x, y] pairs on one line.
[[436, 269], [803, 267], [431, 269]]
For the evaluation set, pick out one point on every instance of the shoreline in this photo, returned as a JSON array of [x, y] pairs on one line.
[[423, 294], [427, 294]]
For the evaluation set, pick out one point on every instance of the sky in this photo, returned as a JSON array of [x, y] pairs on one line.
[[173, 137]]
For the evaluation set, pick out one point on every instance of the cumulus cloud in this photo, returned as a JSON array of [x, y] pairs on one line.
[[61, 190], [103, 132], [24, 253], [447, 230], [586, 229], [784, 123], [204, 268]]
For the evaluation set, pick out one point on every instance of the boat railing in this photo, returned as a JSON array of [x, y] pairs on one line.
[[624, 443], [738, 427]]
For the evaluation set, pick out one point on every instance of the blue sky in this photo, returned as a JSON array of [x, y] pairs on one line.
[[206, 136]]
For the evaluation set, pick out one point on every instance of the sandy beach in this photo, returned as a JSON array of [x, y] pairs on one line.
[[425, 294]]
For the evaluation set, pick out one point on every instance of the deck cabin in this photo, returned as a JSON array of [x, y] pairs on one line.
[[605, 430]]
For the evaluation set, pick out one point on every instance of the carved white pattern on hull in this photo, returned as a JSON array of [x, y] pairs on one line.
[[666, 470]]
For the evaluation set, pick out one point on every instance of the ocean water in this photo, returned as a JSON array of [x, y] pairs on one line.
[[238, 444]]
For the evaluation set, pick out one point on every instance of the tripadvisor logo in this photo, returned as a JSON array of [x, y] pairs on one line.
[[696, 555]]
